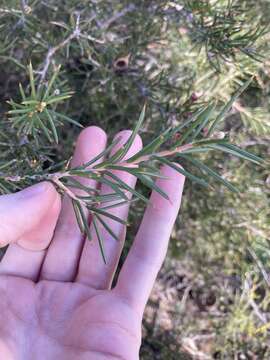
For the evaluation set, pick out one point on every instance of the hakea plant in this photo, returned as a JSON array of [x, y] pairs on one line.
[[36, 115]]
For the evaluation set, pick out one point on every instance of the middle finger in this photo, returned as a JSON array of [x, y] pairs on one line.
[[64, 252]]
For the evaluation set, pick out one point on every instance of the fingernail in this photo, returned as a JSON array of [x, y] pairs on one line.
[[33, 191], [3, 244]]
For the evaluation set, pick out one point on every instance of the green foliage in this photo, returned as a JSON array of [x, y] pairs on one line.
[[36, 113], [201, 69], [222, 31], [145, 167]]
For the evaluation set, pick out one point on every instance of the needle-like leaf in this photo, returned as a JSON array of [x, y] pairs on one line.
[[106, 214], [229, 105], [32, 80], [238, 152], [182, 171], [106, 226], [210, 172], [77, 212], [52, 126], [84, 221], [147, 181], [152, 146], [65, 118], [100, 240], [121, 153], [51, 82], [195, 128], [125, 186]]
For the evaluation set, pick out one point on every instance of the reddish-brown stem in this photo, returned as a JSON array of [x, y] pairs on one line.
[[57, 176]]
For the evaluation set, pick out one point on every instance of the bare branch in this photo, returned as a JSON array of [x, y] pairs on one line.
[[75, 34], [51, 52], [106, 24]]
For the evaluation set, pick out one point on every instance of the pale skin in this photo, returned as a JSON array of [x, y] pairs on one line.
[[56, 298]]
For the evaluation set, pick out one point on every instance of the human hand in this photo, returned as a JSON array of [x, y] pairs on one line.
[[57, 302]]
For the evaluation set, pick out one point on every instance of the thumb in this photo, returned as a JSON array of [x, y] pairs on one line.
[[29, 217]]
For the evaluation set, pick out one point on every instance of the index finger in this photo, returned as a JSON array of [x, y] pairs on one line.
[[148, 251]]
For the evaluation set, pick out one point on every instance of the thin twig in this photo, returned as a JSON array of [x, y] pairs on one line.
[[257, 311], [248, 288], [57, 176], [65, 189], [75, 34], [106, 24], [23, 5], [10, 11]]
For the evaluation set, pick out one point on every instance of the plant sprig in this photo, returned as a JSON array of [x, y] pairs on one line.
[[220, 29], [165, 149], [36, 113]]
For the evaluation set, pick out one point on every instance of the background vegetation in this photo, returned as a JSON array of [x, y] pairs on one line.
[[211, 300]]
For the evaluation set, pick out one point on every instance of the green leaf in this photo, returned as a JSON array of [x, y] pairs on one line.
[[22, 92], [71, 182], [64, 117], [89, 174], [152, 146], [236, 151], [32, 80], [106, 214], [19, 111], [204, 118], [182, 171], [190, 120], [99, 156], [121, 153], [20, 129], [84, 221], [127, 187], [206, 142], [92, 199], [29, 126], [103, 199], [56, 99], [200, 122], [52, 125], [136, 170], [100, 240], [51, 82], [6, 165], [108, 229], [121, 203], [15, 105], [43, 127], [4, 189], [78, 216], [211, 173], [113, 186], [229, 105], [17, 120], [147, 181], [30, 102]]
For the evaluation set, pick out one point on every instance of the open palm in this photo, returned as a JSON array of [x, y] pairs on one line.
[[58, 303]]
